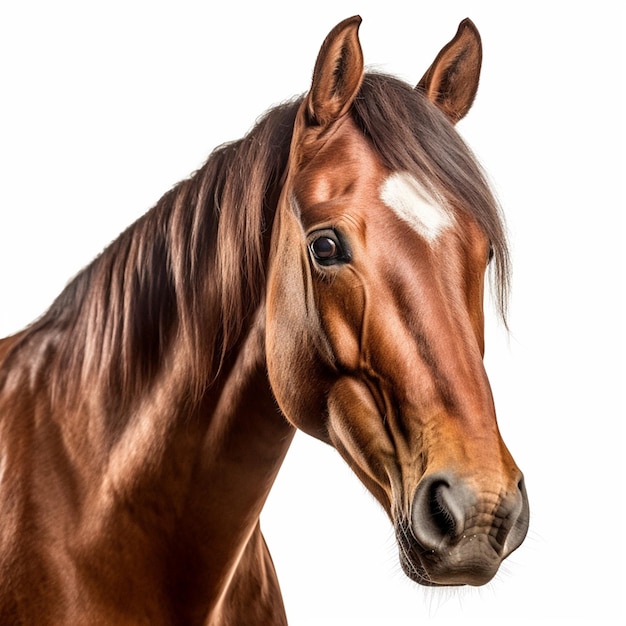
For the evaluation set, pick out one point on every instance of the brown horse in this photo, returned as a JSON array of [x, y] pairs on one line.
[[325, 273]]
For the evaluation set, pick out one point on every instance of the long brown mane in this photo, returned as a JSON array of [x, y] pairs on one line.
[[192, 269]]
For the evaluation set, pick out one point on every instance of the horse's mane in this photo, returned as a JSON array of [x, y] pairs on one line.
[[192, 269]]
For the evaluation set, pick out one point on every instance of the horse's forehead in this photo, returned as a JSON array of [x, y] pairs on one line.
[[360, 191], [347, 175]]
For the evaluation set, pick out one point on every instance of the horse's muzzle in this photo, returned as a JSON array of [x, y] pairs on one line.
[[458, 536]]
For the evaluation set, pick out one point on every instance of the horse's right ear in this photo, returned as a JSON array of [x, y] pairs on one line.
[[337, 75]]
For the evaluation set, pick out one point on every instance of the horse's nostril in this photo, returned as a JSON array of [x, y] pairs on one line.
[[517, 515], [444, 507], [439, 509]]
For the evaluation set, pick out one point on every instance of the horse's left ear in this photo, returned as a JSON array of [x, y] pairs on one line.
[[452, 80], [337, 75]]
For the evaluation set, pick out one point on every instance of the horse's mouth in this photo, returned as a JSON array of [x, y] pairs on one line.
[[465, 563]]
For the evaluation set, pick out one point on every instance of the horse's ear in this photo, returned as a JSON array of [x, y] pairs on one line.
[[337, 75], [452, 80]]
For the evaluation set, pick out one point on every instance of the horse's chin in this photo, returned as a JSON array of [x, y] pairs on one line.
[[420, 575]]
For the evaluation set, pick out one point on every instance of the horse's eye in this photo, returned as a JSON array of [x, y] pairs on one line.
[[326, 248]]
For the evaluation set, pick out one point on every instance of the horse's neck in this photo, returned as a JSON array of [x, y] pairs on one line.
[[176, 491], [214, 479], [242, 450]]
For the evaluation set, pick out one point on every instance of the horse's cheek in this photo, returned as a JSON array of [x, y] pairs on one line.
[[294, 373], [343, 339]]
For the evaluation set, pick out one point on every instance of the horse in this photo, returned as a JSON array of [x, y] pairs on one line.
[[324, 273]]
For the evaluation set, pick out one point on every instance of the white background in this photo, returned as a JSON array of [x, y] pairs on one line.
[[104, 106]]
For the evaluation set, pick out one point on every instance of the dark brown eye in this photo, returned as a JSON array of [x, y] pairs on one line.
[[326, 248]]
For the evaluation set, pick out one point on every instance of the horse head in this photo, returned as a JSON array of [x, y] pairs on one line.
[[374, 313]]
